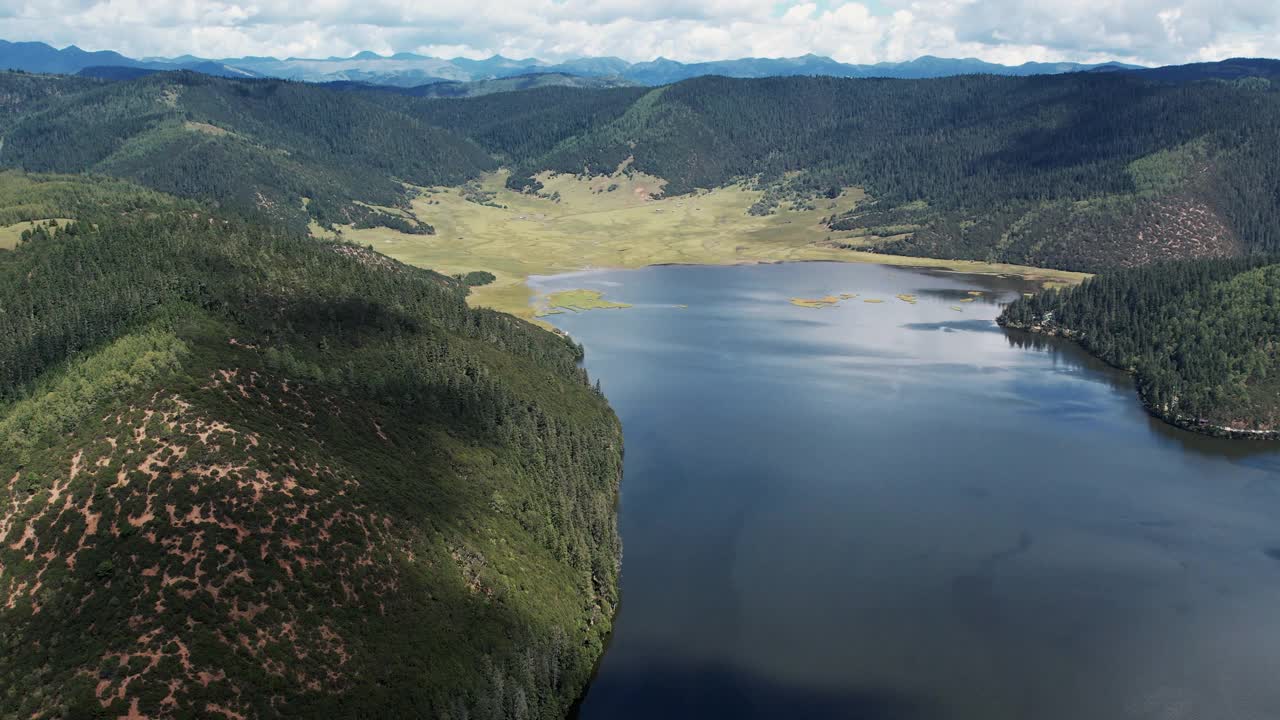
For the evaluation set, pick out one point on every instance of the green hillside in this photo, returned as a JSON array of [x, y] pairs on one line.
[[1075, 171], [1088, 171], [520, 127], [21, 93], [1082, 171], [1201, 337], [245, 473], [250, 146]]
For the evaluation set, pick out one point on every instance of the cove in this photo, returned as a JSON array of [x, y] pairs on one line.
[[899, 510]]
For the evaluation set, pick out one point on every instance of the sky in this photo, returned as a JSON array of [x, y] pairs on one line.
[[1006, 31]]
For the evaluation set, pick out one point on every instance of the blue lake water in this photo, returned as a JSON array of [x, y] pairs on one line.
[[890, 511]]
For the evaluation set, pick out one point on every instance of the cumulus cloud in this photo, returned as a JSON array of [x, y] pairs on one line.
[[1009, 31]]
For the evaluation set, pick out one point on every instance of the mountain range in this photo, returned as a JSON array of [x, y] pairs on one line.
[[42, 58], [1115, 168], [412, 70]]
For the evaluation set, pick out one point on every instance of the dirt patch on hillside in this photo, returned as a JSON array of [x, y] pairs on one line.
[[238, 543]]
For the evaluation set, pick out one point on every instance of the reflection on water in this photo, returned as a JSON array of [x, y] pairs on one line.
[[956, 326], [899, 510], [1069, 357]]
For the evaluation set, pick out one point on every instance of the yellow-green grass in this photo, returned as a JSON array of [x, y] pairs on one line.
[[815, 303], [205, 128], [318, 231], [590, 227], [11, 235], [578, 301]]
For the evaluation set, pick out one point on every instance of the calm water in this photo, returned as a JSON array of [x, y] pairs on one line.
[[900, 511]]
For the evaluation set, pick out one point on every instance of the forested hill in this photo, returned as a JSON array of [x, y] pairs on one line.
[[245, 473], [1202, 337], [251, 146], [1232, 69], [1084, 171]]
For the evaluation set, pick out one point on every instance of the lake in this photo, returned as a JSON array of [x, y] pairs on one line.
[[899, 510]]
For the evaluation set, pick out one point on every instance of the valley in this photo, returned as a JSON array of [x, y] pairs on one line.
[[615, 221], [295, 418]]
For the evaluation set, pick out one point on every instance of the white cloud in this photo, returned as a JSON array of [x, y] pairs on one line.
[[1010, 31]]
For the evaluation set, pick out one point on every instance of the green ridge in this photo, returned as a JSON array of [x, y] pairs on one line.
[[243, 471]]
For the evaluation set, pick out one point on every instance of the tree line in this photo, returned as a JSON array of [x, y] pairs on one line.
[[1200, 336]]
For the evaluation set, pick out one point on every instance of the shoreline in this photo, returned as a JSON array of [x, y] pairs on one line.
[[519, 235], [1200, 426], [1043, 277]]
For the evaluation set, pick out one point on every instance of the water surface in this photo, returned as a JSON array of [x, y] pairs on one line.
[[892, 511]]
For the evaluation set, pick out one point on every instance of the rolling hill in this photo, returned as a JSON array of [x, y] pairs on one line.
[[1082, 171], [1232, 69], [1199, 336], [251, 474], [286, 150]]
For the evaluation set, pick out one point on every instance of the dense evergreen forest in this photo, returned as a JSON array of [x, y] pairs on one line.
[[1202, 337], [246, 473], [287, 151], [1083, 171]]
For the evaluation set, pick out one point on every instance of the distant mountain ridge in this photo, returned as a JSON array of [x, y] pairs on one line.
[[1230, 69], [663, 71], [132, 72], [405, 69], [39, 57], [475, 88]]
